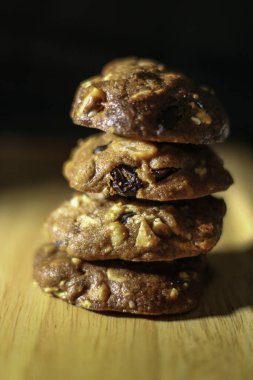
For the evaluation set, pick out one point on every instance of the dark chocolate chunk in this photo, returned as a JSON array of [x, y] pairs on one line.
[[161, 174], [124, 217], [125, 180], [169, 118]]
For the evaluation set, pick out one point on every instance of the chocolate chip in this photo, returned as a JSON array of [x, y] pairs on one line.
[[125, 181], [168, 118], [124, 217], [161, 174], [101, 148]]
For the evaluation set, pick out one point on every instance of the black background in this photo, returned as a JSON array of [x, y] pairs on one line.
[[48, 47]]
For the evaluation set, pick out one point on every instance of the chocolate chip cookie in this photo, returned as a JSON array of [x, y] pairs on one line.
[[139, 288], [91, 227], [156, 171], [143, 99]]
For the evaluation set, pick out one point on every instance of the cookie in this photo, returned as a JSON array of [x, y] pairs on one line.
[[143, 99], [91, 227], [139, 288], [155, 171]]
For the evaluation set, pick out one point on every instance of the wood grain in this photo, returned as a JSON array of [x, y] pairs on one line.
[[44, 338]]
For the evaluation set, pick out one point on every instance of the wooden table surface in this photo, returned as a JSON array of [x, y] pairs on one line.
[[45, 338]]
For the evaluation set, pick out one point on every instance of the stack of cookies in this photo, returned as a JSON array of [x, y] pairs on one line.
[[133, 237]]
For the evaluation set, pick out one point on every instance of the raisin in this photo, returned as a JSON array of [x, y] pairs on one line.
[[161, 174], [101, 148], [124, 217], [125, 181]]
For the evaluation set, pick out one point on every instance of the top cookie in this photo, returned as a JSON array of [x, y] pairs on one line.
[[142, 99]]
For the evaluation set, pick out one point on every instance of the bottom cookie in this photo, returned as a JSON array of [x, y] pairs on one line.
[[128, 287]]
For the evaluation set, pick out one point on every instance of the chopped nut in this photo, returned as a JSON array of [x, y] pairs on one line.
[[114, 212], [92, 113], [108, 76], [173, 293], [131, 304], [86, 83], [160, 228], [204, 117], [160, 91], [51, 290], [62, 283], [85, 303], [201, 171], [188, 236], [146, 237], [186, 285], [100, 293], [113, 275], [61, 294], [118, 233], [87, 221], [75, 260], [137, 150], [196, 120], [92, 101], [184, 276], [141, 94]]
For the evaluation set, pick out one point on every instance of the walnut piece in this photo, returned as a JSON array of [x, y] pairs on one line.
[[86, 221], [99, 293], [137, 150], [85, 303], [114, 212], [92, 101], [160, 228], [118, 233], [141, 94], [146, 237], [113, 275], [204, 117]]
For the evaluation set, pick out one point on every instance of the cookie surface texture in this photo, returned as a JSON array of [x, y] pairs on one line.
[[154, 171], [91, 227], [139, 288], [143, 99]]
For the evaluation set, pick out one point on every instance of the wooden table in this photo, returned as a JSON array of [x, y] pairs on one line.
[[44, 338]]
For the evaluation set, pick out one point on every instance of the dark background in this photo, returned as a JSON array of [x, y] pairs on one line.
[[48, 47]]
